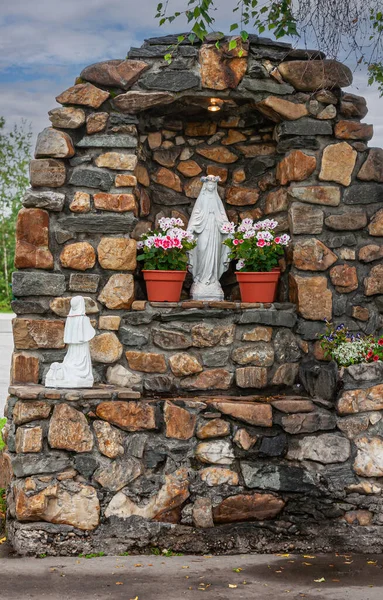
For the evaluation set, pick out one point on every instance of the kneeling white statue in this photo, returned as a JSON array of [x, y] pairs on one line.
[[209, 259], [76, 369]]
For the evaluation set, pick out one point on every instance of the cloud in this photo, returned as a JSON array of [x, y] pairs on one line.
[[45, 44]]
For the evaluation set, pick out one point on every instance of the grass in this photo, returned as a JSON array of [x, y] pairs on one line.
[[93, 555], [2, 423]]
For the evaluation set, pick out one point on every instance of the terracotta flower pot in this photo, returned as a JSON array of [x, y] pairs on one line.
[[257, 286], [164, 286]]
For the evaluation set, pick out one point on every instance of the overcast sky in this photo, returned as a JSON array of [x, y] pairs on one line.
[[44, 44]]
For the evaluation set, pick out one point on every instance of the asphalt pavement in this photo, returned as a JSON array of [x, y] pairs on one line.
[[242, 577]]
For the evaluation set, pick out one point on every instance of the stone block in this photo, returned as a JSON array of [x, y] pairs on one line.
[[217, 74], [213, 476], [125, 180], [24, 412], [79, 256], [53, 201], [304, 127], [171, 81], [372, 168], [218, 154], [25, 368], [369, 458], [286, 374], [146, 362], [133, 337], [278, 109], [106, 348], [32, 240], [202, 513], [312, 255], [118, 292], [96, 223], [344, 278], [170, 340], [375, 227], [110, 322], [38, 333], [129, 416], [338, 162], [212, 379], [283, 478], [96, 122], [352, 130], [347, 221], [69, 430], [168, 179], [183, 364], [47, 172], [117, 254], [91, 178], [326, 448], [305, 219], [180, 423], [29, 439], [115, 73], [305, 291], [135, 102], [363, 193], [212, 429], [118, 375], [81, 282], [241, 196], [80, 203], [118, 473], [67, 117], [117, 161], [313, 75], [205, 336], [276, 202], [248, 412], [251, 507], [24, 465], [216, 452], [362, 400], [296, 166], [258, 334], [260, 354], [251, 377], [316, 194], [53, 143], [83, 94]]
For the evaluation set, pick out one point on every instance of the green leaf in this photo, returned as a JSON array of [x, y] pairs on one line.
[[233, 26], [232, 44]]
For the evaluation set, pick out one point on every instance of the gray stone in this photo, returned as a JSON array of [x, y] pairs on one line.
[[366, 371], [277, 477], [273, 446], [116, 119], [132, 337], [339, 304], [92, 178], [175, 81], [304, 218], [266, 85], [216, 452], [297, 143], [24, 465], [53, 201], [100, 223], [309, 330], [363, 193], [135, 444], [80, 160], [258, 71], [260, 354], [25, 307], [308, 422], [216, 357], [85, 465], [171, 340], [276, 318], [160, 51], [166, 197], [333, 240], [319, 379], [258, 166], [159, 383], [84, 282], [193, 314], [304, 127], [25, 283], [118, 473], [286, 347], [104, 140], [326, 448], [63, 236]]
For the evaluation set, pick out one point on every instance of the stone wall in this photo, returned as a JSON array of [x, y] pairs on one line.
[[105, 469], [102, 470]]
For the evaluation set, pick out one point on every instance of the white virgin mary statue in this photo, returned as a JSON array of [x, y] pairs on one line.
[[76, 369], [209, 259]]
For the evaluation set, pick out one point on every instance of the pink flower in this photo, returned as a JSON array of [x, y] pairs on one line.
[[241, 241], [235, 242], [277, 240], [261, 243], [380, 342], [165, 244], [376, 358]]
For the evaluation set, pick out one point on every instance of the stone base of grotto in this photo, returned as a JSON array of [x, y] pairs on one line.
[[104, 470]]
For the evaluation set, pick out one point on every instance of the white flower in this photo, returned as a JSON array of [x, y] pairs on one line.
[[240, 264], [285, 239], [264, 235], [140, 245], [249, 234], [228, 228]]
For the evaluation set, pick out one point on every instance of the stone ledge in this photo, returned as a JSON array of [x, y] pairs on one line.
[[104, 392], [140, 305]]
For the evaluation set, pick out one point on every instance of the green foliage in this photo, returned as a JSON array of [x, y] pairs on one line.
[[15, 149], [2, 423], [43, 555], [340, 344], [92, 555], [167, 248], [3, 502], [338, 26]]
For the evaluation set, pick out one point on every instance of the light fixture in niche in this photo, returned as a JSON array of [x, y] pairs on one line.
[[215, 104]]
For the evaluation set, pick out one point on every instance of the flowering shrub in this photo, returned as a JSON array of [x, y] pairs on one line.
[[166, 250], [254, 245], [349, 349]]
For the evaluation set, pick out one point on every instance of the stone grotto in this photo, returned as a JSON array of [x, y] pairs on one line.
[[211, 426]]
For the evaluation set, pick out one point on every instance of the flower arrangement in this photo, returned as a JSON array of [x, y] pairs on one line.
[[348, 349], [166, 249], [254, 245]]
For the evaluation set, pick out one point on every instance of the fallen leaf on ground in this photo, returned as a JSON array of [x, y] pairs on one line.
[[237, 570], [319, 580], [138, 565], [307, 564], [337, 580], [119, 583], [283, 555], [232, 585], [308, 556], [372, 562], [2, 540]]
